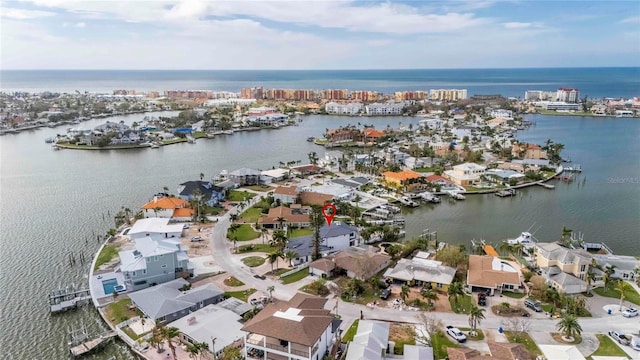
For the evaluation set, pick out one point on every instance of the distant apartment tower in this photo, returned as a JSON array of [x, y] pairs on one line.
[[364, 96], [447, 94], [305, 95], [335, 94], [343, 109], [568, 95], [224, 95], [411, 95], [276, 94], [188, 94], [252, 93], [537, 95], [388, 108]]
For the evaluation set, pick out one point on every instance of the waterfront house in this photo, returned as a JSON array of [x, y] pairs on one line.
[[356, 262], [343, 109], [168, 302], [271, 176], [528, 151], [164, 207], [371, 342], [405, 179], [338, 161], [504, 175], [155, 228], [333, 238], [154, 262], [420, 271], [295, 215], [387, 108], [296, 329], [624, 267], [212, 322], [563, 268], [465, 174], [245, 176], [354, 182], [501, 113], [286, 194], [210, 194], [305, 170], [492, 273], [372, 135]]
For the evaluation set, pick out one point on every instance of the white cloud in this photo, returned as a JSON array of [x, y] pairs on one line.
[[80, 25], [23, 14], [630, 20], [517, 25]]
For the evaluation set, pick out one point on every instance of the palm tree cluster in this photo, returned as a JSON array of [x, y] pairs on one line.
[[569, 326], [455, 291], [279, 240]]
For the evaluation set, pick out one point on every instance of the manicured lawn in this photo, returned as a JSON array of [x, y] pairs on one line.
[[607, 347], [630, 295], [244, 233], [233, 282], [298, 275], [513, 295], [464, 304], [253, 261], [108, 252], [251, 215], [276, 272], [525, 340], [237, 195], [300, 232], [351, 332], [440, 342], [119, 311], [266, 248], [242, 295]]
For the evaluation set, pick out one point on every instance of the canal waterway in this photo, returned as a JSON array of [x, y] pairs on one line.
[[56, 202]]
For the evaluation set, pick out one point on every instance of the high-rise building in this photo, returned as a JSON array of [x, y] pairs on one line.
[[335, 94], [447, 94], [364, 96], [252, 93], [568, 95], [411, 95]]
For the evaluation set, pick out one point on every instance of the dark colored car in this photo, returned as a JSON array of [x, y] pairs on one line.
[[482, 299], [385, 294], [261, 277]]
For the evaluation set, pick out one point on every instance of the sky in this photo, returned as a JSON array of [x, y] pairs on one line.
[[317, 34]]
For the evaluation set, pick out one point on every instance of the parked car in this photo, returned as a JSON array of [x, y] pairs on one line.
[[385, 294], [635, 343], [186, 226], [261, 277], [256, 303], [482, 299], [630, 312], [620, 337], [533, 305], [526, 314], [196, 239], [456, 334]]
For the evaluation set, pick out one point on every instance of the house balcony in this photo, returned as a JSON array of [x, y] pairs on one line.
[[275, 348]]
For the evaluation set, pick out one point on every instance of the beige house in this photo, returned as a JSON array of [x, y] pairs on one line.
[[358, 263], [563, 268], [489, 272], [465, 174], [528, 151]]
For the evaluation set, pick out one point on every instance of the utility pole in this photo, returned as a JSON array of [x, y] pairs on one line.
[[213, 348]]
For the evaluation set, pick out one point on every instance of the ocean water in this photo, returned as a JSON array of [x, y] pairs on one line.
[[593, 82]]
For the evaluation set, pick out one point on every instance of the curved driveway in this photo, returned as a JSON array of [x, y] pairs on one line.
[[348, 311]]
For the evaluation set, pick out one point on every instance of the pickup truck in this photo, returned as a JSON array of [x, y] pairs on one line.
[[620, 337]]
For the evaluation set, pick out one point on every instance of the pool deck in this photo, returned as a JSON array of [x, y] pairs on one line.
[[96, 283]]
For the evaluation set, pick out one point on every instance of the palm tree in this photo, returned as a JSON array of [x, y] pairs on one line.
[[290, 255], [270, 290], [264, 232], [231, 353], [273, 258], [569, 326], [591, 278], [455, 291], [476, 315], [279, 240], [281, 221], [429, 294], [169, 333], [233, 228], [156, 337], [404, 292], [317, 220], [608, 271], [505, 247], [196, 349], [622, 286]]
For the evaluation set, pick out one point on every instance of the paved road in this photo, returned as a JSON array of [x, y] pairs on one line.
[[348, 311]]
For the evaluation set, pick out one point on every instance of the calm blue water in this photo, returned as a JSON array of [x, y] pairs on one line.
[[593, 82]]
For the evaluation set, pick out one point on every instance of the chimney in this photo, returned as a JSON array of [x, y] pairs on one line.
[[155, 199]]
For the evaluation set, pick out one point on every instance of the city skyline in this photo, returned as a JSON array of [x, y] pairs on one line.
[[340, 35]]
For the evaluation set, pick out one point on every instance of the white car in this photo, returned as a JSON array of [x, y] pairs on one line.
[[630, 312], [456, 334]]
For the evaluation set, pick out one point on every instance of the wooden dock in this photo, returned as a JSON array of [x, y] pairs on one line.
[[68, 298], [81, 344], [545, 185]]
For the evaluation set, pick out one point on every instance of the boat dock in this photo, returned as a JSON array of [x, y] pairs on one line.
[[81, 344], [68, 298], [574, 168], [545, 185], [506, 192]]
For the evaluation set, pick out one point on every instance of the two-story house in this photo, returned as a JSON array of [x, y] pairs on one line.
[[333, 238], [156, 228], [286, 194], [154, 261], [298, 329], [465, 174], [563, 268], [528, 151], [210, 194], [164, 207], [405, 179]]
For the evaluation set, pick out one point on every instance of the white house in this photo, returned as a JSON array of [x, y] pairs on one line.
[[286, 194], [343, 109], [334, 238], [387, 108], [270, 176], [502, 113], [156, 228], [465, 174]]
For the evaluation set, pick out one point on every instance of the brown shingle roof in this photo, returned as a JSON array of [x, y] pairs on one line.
[[481, 273], [306, 331], [364, 264], [285, 213], [314, 198], [286, 190], [323, 264]]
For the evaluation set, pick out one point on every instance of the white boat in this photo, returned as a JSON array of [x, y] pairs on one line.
[[210, 135], [391, 208], [574, 168], [155, 146], [525, 238], [430, 197], [55, 147], [407, 202], [228, 132]]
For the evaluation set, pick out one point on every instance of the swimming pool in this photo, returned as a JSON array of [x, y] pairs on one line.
[[109, 286]]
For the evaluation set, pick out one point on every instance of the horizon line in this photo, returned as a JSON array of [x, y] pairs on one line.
[[372, 69]]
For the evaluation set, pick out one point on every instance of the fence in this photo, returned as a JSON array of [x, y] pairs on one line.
[[294, 270]]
